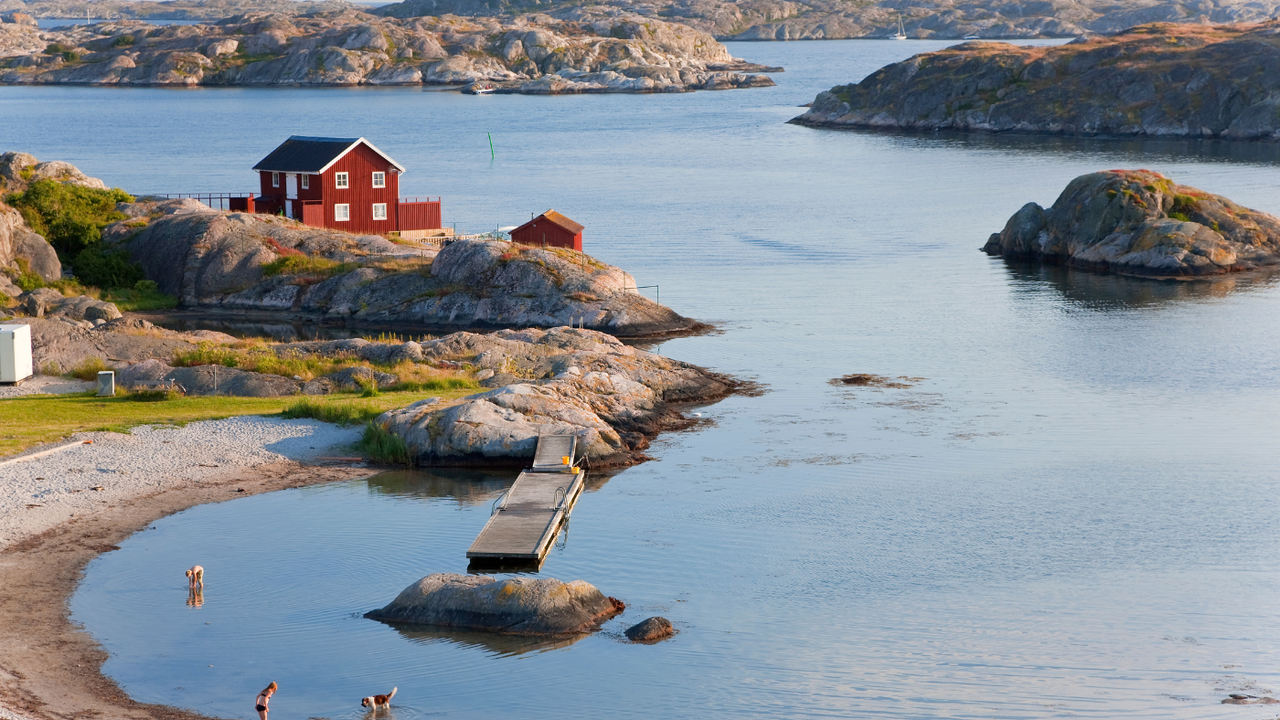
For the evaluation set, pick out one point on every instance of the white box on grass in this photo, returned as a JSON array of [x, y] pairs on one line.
[[15, 353]]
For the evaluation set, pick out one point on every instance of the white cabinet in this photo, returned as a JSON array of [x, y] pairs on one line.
[[15, 353]]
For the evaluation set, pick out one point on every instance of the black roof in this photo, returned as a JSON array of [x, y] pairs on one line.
[[301, 154]]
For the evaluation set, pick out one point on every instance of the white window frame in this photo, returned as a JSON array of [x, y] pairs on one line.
[[305, 183], [341, 180], [275, 179], [341, 212], [379, 179], [376, 208]]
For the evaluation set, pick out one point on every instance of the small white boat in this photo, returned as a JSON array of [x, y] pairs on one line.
[[902, 34], [482, 89], [972, 37]]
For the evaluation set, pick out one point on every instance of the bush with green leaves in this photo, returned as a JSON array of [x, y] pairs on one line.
[[106, 268], [70, 217]]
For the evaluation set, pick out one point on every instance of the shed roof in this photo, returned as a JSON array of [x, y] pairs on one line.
[[302, 154], [558, 219]]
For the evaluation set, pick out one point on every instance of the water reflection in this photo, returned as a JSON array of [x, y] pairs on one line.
[[195, 597], [495, 643], [468, 487], [1104, 292], [1148, 151]]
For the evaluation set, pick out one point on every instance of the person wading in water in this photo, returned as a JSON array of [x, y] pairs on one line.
[[264, 697]]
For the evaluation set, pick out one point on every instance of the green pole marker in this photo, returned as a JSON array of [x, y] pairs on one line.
[[490, 145]]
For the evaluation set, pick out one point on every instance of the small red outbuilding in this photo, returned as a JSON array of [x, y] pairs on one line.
[[550, 229]]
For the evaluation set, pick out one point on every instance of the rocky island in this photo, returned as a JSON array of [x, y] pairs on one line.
[[1138, 222], [574, 51], [1158, 80], [745, 19]]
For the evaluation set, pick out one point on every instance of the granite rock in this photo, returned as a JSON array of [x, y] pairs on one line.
[[517, 606]]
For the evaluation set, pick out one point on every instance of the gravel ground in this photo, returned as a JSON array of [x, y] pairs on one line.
[[47, 384], [42, 492]]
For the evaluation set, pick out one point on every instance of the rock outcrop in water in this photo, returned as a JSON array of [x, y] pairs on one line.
[[613, 397], [1154, 80], [215, 261], [596, 50], [516, 606], [1137, 222]]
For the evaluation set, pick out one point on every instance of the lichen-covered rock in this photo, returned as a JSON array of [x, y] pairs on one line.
[[651, 630], [1158, 80], [616, 51], [567, 381], [215, 259], [1137, 222], [517, 606], [48, 302]]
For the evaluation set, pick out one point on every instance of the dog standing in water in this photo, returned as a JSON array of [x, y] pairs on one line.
[[376, 701], [195, 577]]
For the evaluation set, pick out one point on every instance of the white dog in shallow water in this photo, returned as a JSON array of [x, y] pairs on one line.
[[195, 577], [377, 701]]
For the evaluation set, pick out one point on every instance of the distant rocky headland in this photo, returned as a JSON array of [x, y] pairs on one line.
[[1159, 80], [576, 51], [1138, 222], [744, 19]]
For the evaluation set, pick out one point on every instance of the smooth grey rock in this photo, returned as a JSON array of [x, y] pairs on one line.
[[1136, 222], [651, 630], [1160, 80], [517, 606], [612, 406]]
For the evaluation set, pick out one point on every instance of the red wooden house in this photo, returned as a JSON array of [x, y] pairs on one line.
[[550, 229], [342, 184]]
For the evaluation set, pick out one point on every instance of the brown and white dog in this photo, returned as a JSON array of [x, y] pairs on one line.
[[195, 576], [377, 701]]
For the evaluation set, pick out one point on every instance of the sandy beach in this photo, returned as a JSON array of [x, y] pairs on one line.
[[64, 504]]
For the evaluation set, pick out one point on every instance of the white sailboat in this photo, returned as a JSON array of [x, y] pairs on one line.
[[902, 35]]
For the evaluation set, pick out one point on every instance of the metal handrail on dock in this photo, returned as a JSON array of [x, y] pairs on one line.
[[522, 526]]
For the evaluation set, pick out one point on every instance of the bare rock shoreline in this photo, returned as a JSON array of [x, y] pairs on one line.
[[1159, 80], [581, 50]]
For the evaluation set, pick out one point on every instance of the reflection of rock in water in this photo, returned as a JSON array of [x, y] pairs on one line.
[[468, 487], [503, 645], [1095, 291]]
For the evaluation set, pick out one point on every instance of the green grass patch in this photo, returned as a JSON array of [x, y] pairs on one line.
[[381, 446], [306, 265], [338, 413], [34, 419], [142, 296], [89, 369]]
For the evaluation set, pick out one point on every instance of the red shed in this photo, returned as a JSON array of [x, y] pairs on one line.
[[551, 229], [342, 184]]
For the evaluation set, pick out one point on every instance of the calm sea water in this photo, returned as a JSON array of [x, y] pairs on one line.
[[1070, 513]]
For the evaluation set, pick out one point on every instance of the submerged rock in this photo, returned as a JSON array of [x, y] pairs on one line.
[[651, 630], [1138, 222], [518, 606], [1156, 80]]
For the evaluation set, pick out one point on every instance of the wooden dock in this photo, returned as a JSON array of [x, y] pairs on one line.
[[526, 519]]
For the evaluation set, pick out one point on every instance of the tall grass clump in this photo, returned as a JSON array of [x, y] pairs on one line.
[[88, 369], [379, 445], [336, 413], [306, 265]]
